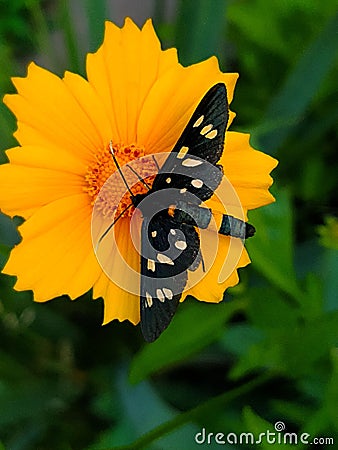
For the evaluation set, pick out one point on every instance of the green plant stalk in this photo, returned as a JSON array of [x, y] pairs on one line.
[[67, 25], [42, 35], [199, 29], [96, 15], [194, 413]]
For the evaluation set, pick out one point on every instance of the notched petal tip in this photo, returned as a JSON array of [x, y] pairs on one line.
[[130, 24], [148, 24]]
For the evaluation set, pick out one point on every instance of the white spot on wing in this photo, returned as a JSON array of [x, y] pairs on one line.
[[164, 259], [181, 154], [154, 233], [182, 191], [168, 180], [160, 295], [198, 121], [168, 293], [206, 129], [189, 162], [197, 183], [211, 134], [181, 245], [172, 231], [151, 265], [149, 299]]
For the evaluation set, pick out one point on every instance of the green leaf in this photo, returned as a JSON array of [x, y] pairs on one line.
[[195, 326], [141, 410], [33, 399], [145, 409], [6, 129], [293, 412], [324, 418], [196, 414], [257, 425], [4, 253], [265, 354], [268, 310], [301, 86], [272, 248], [240, 337], [9, 236], [329, 233], [329, 262], [310, 343], [199, 29], [292, 344], [330, 403], [313, 305]]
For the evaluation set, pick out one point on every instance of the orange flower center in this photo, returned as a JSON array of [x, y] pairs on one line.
[[113, 198]]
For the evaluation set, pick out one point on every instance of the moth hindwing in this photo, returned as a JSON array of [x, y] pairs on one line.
[[169, 244]]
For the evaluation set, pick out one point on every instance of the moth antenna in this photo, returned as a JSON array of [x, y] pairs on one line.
[[138, 176], [110, 227], [203, 265], [119, 168]]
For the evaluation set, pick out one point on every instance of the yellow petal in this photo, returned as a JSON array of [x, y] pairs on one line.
[[91, 104], [47, 157], [248, 170], [55, 256], [118, 304], [121, 290], [172, 100], [222, 274], [246, 177], [123, 71], [45, 104], [24, 189]]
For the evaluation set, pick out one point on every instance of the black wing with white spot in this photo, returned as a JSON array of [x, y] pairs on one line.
[[169, 249], [202, 140]]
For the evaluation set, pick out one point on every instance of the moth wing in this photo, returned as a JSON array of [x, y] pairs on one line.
[[201, 142], [168, 250]]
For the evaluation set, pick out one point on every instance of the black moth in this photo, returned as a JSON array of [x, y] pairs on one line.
[[170, 244]]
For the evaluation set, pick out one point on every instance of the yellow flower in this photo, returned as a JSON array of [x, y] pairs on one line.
[[138, 97]]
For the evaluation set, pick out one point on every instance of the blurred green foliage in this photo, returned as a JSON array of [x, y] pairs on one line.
[[268, 352]]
